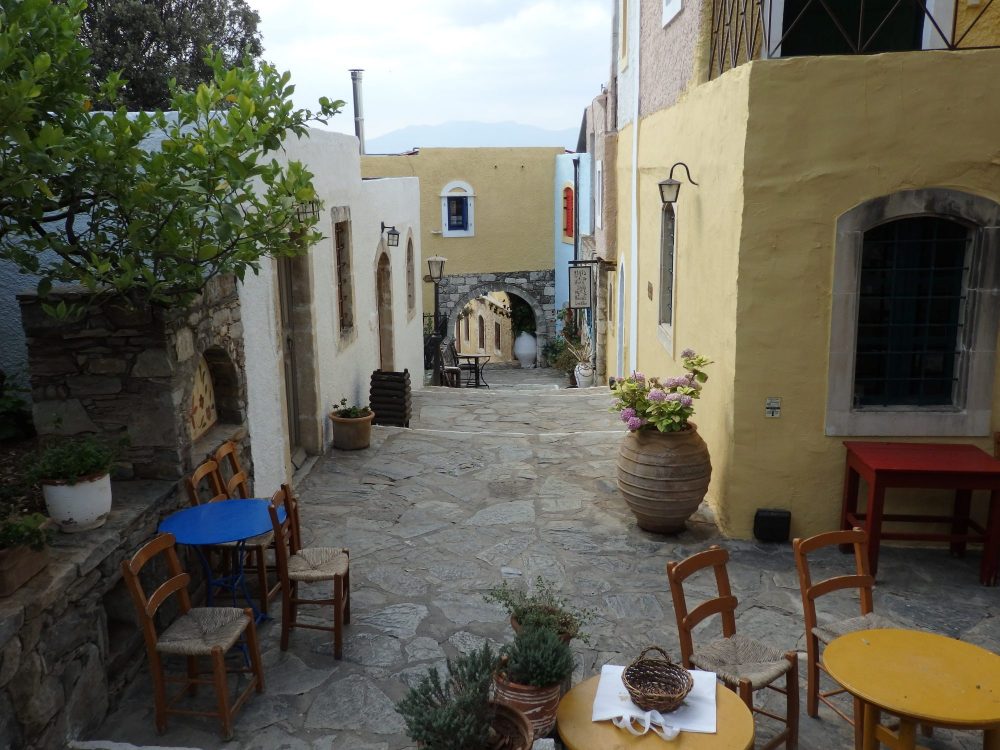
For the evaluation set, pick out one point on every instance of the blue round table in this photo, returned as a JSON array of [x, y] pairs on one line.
[[219, 522], [222, 522]]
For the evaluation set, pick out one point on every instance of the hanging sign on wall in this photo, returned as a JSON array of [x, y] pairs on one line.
[[581, 287]]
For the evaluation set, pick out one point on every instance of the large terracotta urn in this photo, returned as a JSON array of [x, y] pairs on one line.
[[663, 476]]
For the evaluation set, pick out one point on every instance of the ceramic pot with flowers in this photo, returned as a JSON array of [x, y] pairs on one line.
[[352, 426], [663, 467]]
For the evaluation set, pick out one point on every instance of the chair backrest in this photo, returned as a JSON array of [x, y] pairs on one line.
[[206, 474], [177, 583], [448, 355], [238, 484], [724, 604], [860, 579], [286, 531]]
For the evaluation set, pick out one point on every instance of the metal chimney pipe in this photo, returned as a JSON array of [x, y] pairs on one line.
[[359, 115]]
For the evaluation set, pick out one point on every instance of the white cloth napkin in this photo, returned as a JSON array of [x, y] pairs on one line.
[[695, 714]]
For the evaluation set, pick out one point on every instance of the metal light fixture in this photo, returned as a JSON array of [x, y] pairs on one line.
[[392, 236], [670, 188], [435, 267]]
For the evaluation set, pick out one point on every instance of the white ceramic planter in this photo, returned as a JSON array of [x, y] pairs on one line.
[[584, 375], [525, 349], [81, 506]]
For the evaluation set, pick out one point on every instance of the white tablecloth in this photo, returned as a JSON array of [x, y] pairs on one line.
[[695, 714]]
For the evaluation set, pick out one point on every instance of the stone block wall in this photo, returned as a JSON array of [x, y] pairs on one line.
[[131, 375], [537, 288], [69, 644]]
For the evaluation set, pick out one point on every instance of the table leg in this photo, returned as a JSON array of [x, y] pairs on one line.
[[482, 373], [873, 522], [991, 739], [989, 568], [849, 505], [960, 520], [907, 734], [206, 567], [872, 714]]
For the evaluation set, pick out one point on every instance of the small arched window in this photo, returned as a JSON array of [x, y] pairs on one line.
[[411, 284], [458, 216], [482, 333]]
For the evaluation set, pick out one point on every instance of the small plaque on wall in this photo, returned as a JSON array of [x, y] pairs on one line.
[[580, 287]]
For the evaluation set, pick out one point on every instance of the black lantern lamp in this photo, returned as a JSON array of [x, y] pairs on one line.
[[670, 188], [392, 236]]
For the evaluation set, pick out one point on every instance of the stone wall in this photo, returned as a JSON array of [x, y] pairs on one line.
[[68, 640], [131, 375], [537, 288]]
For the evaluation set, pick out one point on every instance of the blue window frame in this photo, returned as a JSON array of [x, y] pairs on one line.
[[458, 213]]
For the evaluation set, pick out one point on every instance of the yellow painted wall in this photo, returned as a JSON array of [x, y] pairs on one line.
[[755, 244], [706, 130], [622, 194], [514, 203], [976, 25], [874, 125]]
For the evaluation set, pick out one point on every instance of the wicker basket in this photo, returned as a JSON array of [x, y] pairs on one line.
[[657, 684]]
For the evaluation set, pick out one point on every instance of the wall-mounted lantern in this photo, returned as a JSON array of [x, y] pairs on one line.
[[392, 236], [670, 188]]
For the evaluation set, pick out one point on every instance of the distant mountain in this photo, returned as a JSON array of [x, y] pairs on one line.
[[466, 134]]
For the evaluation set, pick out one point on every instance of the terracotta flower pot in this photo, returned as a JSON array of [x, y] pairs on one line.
[[18, 565], [352, 433], [663, 476], [511, 729], [538, 704]]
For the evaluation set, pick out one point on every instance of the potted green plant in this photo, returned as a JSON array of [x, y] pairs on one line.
[[663, 463], [23, 550], [542, 607], [531, 673], [352, 426], [76, 482], [456, 713]]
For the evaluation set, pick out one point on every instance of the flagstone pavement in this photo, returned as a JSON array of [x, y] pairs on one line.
[[512, 483]]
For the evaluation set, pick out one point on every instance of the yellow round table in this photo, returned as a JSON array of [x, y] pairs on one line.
[[734, 726], [923, 678]]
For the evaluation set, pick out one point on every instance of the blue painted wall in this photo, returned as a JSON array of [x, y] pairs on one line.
[[563, 251]]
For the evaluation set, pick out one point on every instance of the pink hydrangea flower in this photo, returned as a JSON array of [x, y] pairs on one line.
[[657, 395], [635, 423]]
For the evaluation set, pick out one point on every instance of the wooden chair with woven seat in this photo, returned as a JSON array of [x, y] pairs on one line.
[[238, 483], [198, 632], [207, 485], [822, 633], [743, 664], [298, 565], [451, 373]]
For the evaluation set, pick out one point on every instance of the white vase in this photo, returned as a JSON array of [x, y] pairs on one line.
[[525, 349], [81, 506], [584, 375]]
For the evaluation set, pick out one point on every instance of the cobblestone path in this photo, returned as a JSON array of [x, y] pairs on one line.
[[513, 483]]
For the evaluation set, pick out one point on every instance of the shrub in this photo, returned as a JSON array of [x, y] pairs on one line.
[[543, 608], [538, 657], [453, 713], [73, 459], [25, 531]]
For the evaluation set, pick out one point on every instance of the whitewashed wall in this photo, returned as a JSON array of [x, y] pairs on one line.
[[344, 368]]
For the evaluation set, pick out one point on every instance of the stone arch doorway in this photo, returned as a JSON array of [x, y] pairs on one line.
[[383, 296], [543, 321]]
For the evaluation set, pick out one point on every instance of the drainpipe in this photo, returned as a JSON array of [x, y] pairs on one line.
[[633, 333], [359, 115]]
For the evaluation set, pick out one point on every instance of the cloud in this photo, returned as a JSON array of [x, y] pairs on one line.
[[539, 62]]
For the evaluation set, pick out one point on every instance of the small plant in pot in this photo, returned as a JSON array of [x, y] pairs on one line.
[[76, 482], [583, 371], [352, 426], [532, 671], [23, 549], [455, 712], [543, 608]]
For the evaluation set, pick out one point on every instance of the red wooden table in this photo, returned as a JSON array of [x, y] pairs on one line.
[[962, 468]]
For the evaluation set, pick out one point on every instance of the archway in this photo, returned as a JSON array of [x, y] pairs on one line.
[[383, 293], [543, 321]]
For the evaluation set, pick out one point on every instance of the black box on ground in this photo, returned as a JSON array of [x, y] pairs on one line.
[[772, 524]]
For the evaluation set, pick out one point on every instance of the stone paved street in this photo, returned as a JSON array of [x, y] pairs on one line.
[[514, 483]]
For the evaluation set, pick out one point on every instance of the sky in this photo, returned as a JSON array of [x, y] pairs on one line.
[[537, 62]]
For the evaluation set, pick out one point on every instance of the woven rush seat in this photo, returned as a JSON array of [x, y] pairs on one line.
[[318, 564], [741, 658], [830, 630], [201, 630]]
